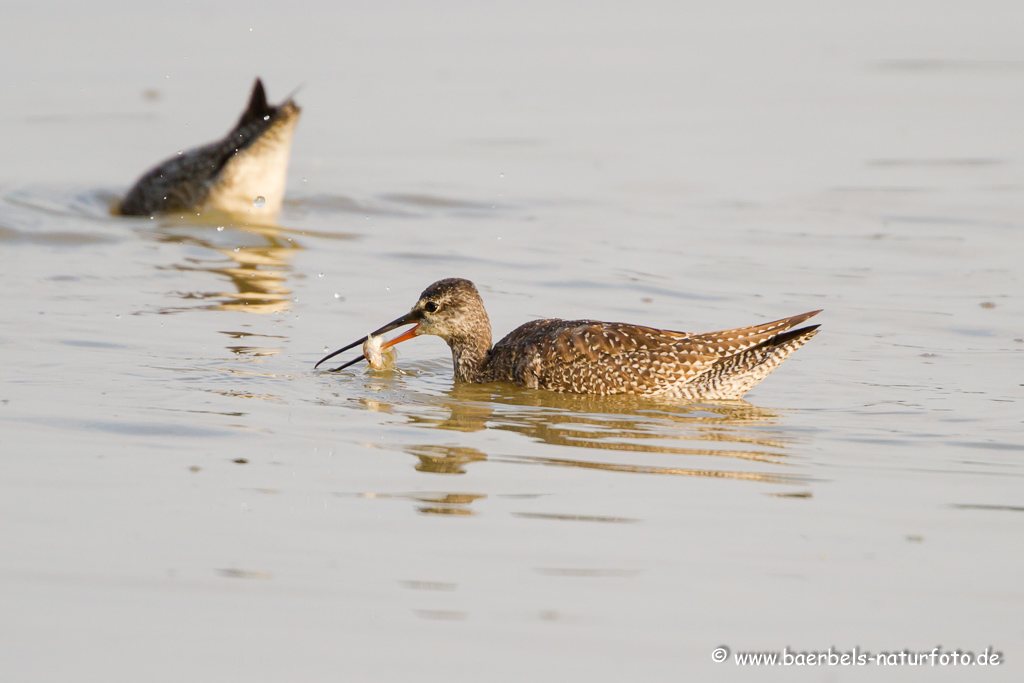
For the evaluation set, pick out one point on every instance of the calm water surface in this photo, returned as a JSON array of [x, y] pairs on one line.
[[183, 497]]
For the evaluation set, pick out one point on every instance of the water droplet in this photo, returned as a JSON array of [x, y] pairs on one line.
[[179, 152], [325, 348], [117, 315], [501, 175], [321, 274], [220, 228], [387, 289], [337, 295], [236, 249], [303, 178], [259, 202]]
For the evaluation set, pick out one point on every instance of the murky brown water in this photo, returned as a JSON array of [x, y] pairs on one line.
[[184, 498]]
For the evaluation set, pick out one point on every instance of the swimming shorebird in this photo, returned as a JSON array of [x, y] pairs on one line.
[[243, 173], [592, 357]]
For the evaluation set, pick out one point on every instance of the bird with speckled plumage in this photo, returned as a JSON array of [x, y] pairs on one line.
[[592, 357]]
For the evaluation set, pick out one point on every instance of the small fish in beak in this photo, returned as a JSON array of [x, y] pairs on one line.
[[373, 348], [377, 355]]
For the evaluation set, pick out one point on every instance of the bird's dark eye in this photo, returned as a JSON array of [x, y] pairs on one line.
[[430, 306]]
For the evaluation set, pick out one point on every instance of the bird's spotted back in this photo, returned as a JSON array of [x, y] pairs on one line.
[[592, 357]]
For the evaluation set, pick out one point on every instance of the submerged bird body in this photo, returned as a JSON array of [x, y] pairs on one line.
[[229, 175], [592, 357]]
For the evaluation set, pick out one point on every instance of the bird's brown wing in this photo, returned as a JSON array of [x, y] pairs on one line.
[[730, 342], [589, 356]]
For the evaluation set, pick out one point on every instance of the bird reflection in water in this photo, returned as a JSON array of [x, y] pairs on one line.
[[432, 503], [445, 459], [254, 258], [718, 434]]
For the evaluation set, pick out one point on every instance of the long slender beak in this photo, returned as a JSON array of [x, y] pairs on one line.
[[412, 317]]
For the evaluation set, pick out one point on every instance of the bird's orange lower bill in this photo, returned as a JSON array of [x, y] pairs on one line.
[[406, 336]]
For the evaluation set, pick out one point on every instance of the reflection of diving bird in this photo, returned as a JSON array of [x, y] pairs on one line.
[[250, 162], [591, 357]]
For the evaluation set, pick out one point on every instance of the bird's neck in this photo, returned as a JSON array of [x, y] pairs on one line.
[[469, 356]]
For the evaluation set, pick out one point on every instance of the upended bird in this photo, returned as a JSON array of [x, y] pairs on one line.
[[243, 173]]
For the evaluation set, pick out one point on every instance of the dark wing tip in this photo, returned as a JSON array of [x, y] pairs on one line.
[[790, 335], [259, 94], [257, 108]]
